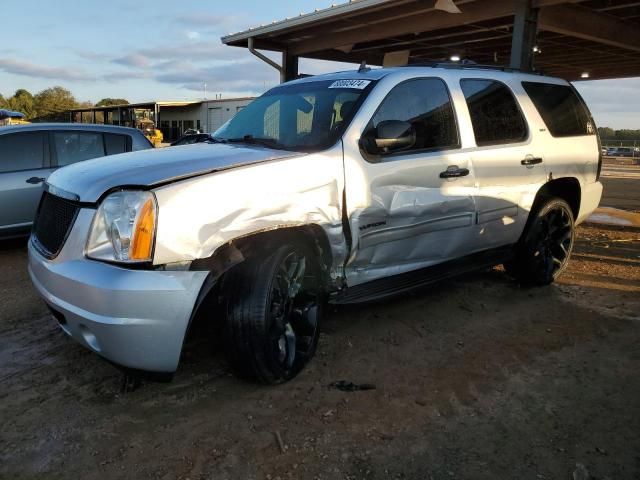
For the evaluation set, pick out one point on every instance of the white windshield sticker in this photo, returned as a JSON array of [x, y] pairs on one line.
[[357, 84]]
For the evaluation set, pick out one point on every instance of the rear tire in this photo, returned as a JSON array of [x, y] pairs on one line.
[[545, 247], [273, 307]]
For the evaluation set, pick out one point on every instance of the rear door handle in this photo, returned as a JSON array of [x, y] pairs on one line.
[[453, 171], [530, 160], [35, 180]]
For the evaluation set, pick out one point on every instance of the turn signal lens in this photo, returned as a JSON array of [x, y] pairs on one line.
[[143, 235]]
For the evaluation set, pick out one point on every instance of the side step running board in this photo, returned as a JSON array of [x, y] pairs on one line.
[[405, 282]]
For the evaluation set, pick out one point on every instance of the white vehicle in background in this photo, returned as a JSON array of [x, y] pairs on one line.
[[346, 187]]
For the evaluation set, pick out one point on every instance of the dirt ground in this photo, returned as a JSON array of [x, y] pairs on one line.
[[475, 378]]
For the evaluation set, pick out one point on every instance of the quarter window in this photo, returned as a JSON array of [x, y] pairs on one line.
[[21, 151], [72, 147], [425, 103], [563, 112], [115, 143], [495, 115]]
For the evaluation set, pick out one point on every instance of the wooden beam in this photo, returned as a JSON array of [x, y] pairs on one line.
[[618, 7], [582, 22], [423, 22], [550, 3], [466, 36]]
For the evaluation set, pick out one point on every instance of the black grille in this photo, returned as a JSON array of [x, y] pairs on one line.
[[53, 222]]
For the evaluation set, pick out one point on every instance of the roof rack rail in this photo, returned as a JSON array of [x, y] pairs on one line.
[[470, 64]]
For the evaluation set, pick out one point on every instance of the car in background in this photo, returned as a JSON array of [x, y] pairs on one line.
[[192, 138], [621, 152], [30, 153]]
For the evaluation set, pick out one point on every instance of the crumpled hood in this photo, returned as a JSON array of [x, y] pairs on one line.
[[91, 178]]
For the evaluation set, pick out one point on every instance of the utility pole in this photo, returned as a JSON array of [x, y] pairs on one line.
[[205, 90]]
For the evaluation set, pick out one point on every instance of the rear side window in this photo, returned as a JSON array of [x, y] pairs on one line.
[[72, 147], [21, 151], [140, 142], [115, 143], [563, 112], [425, 103], [495, 115]]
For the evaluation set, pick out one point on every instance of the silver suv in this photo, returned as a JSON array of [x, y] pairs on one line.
[[344, 188], [29, 153]]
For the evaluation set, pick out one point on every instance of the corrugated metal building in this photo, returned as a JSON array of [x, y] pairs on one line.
[[172, 118]]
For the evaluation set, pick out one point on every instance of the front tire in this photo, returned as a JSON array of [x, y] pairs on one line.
[[273, 307], [544, 250]]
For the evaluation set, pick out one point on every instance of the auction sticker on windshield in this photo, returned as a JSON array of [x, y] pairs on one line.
[[357, 84]]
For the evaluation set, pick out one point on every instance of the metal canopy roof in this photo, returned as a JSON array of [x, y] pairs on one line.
[[149, 105], [601, 37]]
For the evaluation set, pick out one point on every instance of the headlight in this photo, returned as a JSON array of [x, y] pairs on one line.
[[123, 228]]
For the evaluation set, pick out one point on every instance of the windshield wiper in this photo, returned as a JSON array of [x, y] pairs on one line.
[[216, 140], [251, 140]]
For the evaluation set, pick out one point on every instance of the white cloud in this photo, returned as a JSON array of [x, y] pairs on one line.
[[133, 60], [193, 35], [27, 69], [249, 75]]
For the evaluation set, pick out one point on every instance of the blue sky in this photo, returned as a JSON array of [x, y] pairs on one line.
[[161, 49]]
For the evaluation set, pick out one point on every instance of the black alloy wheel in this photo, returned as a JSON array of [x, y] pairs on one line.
[[544, 251], [273, 307]]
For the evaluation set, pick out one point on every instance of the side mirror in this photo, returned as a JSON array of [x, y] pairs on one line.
[[302, 104], [389, 136]]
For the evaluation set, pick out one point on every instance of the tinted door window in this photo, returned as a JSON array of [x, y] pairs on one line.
[[562, 110], [72, 147], [425, 103], [21, 151], [115, 143], [495, 115]]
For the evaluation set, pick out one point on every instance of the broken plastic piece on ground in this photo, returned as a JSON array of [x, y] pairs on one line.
[[345, 386]]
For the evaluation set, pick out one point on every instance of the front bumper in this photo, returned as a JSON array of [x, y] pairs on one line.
[[135, 318]]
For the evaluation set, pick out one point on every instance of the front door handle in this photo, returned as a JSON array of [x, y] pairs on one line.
[[453, 171], [531, 160], [35, 180]]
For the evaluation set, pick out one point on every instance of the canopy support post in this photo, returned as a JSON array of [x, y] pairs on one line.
[[525, 29]]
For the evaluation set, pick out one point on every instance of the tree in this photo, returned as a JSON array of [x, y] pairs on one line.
[[107, 102], [53, 100], [23, 102], [3, 102], [606, 133], [627, 134]]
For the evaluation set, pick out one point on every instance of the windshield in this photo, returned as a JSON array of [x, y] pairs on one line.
[[308, 117]]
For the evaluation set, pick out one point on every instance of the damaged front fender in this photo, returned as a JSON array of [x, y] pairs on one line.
[[198, 216]]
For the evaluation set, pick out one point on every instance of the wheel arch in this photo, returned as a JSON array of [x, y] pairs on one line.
[[241, 248], [566, 188], [238, 249]]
